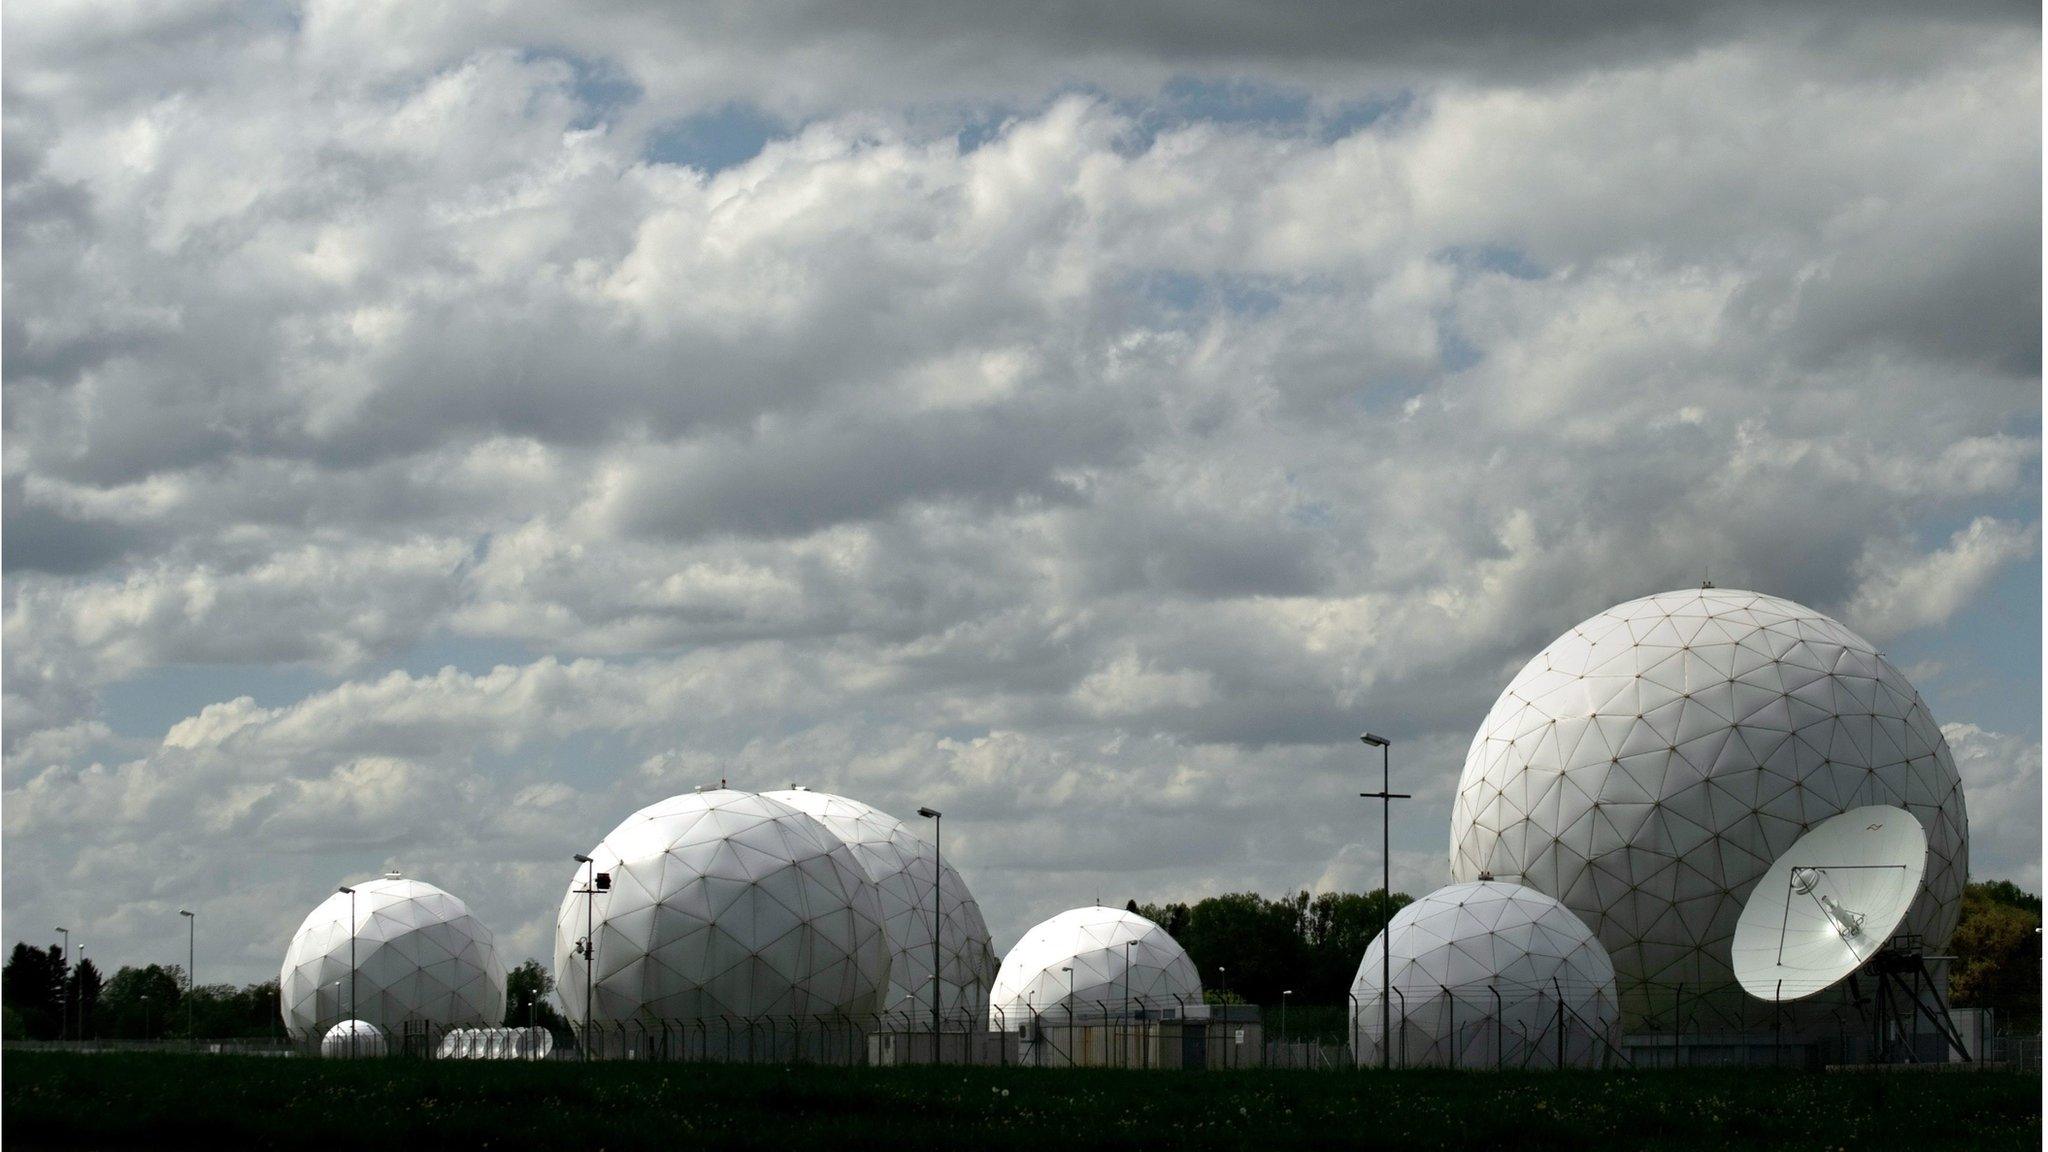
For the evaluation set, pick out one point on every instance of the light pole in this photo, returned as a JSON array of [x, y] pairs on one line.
[[938, 917], [351, 969], [64, 1005], [1284, 994], [191, 970], [1386, 799], [588, 944], [145, 1017], [81, 995]]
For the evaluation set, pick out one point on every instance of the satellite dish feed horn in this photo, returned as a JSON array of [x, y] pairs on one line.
[[1830, 903]]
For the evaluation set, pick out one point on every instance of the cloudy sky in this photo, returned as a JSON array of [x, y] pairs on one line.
[[430, 436]]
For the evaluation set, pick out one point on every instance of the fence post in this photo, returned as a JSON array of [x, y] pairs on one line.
[[1555, 986], [1451, 1018], [1778, 1028], [1403, 997], [1499, 1030], [1352, 999]]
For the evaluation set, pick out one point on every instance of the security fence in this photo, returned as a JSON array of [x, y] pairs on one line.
[[1497, 1024], [1481, 1027]]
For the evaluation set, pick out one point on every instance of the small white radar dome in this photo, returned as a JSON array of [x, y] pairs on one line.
[[1092, 963], [352, 1038], [1480, 972]]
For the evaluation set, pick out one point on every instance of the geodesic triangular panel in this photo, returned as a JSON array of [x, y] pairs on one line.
[[1706, 730], [723, 904], [419, 956]]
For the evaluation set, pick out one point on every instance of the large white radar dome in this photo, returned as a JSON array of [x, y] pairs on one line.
[[1480, 972], [420, 957], [900, 863], [1094, 943], [723, 905], [1650, 764]]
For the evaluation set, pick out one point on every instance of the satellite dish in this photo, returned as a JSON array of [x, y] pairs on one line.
[[1830, 903]]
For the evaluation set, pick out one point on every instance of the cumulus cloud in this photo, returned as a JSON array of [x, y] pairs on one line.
[[503, 417], [2002, 783], [1901, 590]]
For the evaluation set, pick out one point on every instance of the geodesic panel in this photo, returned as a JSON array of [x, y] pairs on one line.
[[1097, 944], [900, 863], [419, 955], [352, 1038], [1647, 766], [723, 904], [1479, 973]]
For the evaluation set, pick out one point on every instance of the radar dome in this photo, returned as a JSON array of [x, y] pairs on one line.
[[419, 956], [1479, 972], [723, 904], [1650, 764], [1095, 943], [352, 1038]]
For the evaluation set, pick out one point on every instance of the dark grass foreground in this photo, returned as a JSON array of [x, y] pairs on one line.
[[131, 1101]]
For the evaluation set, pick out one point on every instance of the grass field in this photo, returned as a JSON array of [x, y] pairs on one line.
[[130, 1101]]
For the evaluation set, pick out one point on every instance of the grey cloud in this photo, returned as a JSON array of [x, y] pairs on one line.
[[794, 481], [39, 538]]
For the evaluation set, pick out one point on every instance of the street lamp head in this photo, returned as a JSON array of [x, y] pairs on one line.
[[1375, 741], [182, 912], [929, 813], [345, 890], [582, 859]]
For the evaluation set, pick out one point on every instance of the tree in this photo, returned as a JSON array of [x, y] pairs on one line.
[[1997, 945], [1258, 941], [1340, 926], [222, 1011], [85, 997], [142, 1003], [32, 986], [527, 988]]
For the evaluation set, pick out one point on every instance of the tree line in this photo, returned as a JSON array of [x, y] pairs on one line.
[[44, 998], [1248, 948]]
